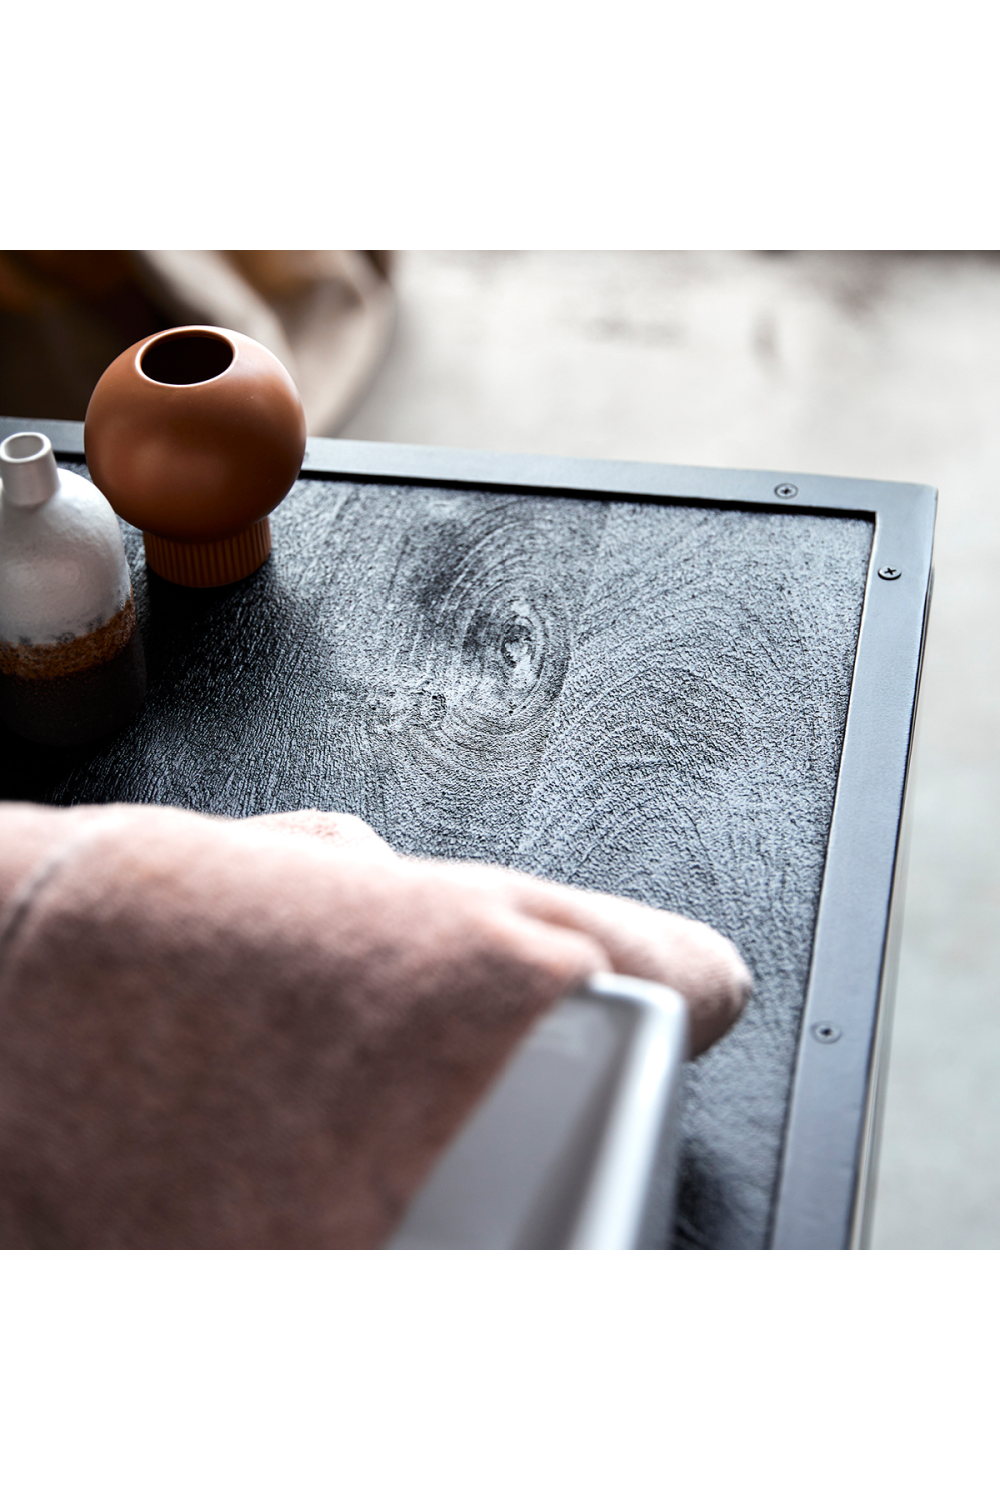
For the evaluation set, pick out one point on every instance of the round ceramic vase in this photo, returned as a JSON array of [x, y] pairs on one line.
[[71, 659], [195, 435]]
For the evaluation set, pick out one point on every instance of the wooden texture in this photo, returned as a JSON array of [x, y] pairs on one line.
[[637, 697]]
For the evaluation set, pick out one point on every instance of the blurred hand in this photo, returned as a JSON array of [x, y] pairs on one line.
[[262, 1033]]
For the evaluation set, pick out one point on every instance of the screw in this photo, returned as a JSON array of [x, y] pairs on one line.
[[786, 491], [888, 574], [827, 1032]]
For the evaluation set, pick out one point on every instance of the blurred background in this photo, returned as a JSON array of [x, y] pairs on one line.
[[883, 365]]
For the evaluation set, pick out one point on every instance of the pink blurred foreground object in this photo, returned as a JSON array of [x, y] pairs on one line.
[[262, 1033]]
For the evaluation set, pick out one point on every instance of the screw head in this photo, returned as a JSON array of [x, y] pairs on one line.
[[826, 1032], [889, 574], [786, 491]]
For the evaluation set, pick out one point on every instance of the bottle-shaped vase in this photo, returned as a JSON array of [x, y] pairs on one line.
[[71, 659]]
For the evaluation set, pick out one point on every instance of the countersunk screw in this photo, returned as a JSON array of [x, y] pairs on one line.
[[888, 573], [786, 491], [827, 1032]]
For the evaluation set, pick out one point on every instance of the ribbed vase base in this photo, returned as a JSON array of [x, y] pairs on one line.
[[208, 565]]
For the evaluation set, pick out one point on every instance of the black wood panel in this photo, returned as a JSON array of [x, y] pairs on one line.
[[692, 764], [638, 697]]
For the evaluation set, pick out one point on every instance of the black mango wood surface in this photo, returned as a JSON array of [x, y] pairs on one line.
[[644, 698]]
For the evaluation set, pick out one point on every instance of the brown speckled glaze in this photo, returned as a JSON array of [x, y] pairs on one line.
[[30, 661], [195, 435]]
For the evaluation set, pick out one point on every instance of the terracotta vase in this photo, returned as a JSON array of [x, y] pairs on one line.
[[195, 435], [71, 659]]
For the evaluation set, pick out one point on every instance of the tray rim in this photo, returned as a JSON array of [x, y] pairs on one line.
[[827, 1170]]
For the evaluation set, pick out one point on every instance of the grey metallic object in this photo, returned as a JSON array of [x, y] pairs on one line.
[[831, 1124], [575, 1147]]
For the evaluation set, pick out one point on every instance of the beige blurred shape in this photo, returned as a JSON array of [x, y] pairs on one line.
[[328, 315]]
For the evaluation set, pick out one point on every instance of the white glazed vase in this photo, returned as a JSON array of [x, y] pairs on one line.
[[71, 660]]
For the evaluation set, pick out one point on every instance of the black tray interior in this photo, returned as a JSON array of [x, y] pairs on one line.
[[638, 697]]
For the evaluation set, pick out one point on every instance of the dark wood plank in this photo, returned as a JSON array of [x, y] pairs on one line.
[[444, 654], [692, 765]]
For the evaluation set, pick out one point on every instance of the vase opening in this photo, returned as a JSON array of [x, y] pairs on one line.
[[186, 359], [23, 445], [28, 470]]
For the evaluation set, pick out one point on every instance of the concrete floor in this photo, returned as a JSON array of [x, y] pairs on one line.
[[882, 365]]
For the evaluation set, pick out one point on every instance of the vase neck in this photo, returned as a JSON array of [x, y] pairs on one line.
[[28, 472]]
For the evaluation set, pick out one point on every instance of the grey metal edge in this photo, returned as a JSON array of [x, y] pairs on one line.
[[828, 1135], [622, 1208]]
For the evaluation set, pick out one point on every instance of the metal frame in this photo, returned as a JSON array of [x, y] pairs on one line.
[[831, 1127]]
